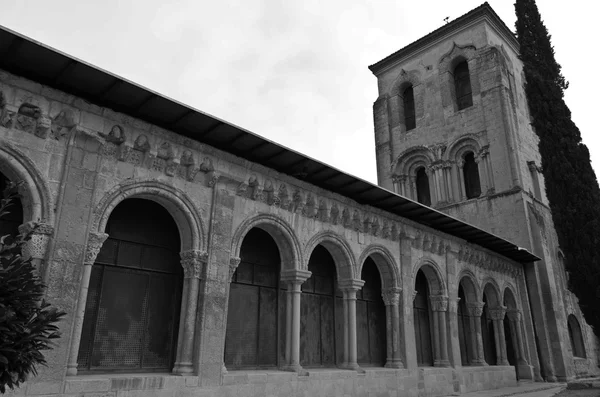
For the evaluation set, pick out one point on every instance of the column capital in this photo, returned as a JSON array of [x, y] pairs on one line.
[[475, 309], [350, 285], [234, 262], [514, 315], [497, 313], [35, 247], [295, 276], [193, 262], [391, 296], [439, 303], [95, 241]]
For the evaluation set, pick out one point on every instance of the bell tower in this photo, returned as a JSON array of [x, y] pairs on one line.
[[452, 131]]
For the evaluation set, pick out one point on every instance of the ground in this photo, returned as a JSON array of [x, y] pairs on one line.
[[579, 393]]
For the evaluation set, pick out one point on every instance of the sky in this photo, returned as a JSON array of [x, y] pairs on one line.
[[294, 72]]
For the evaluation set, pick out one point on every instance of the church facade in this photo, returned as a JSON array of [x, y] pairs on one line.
[[194, 258]]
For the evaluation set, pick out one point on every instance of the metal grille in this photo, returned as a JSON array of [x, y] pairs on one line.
[[132, 309]]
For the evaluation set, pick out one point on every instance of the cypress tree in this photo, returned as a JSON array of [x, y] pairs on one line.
[[571, 184]]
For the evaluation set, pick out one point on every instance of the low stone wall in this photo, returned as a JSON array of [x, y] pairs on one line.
[[485, 378], [429, 382]]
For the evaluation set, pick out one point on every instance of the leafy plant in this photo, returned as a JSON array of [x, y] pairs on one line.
[[28, 324]]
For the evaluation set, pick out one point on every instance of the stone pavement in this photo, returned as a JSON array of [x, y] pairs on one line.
[[525, 389]]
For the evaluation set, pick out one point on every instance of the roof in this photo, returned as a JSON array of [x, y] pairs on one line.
[[483, 10], [25, 57]]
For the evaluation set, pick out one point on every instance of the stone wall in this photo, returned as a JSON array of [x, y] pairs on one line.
[[79, 161]]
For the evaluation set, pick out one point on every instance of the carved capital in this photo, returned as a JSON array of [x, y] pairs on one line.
[[475, 309], [414, 295], [350, 285], [391, 296], [39, 234], [95, 241], [439, 303], [514, 315], [193, 262], [295, 276], [497, 313], [233, 264]]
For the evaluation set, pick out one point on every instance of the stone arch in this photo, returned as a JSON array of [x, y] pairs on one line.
[[492, 291], [454, 56], [35, 194], [467, 279], [433, 274], [463, 145], [509, 298], [385, 264], [339, 249], [404, 80], [409, 160], [280, 231], [177, 203]]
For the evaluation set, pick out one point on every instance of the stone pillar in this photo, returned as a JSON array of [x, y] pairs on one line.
[[94, 243], [481, 170], [413, 188], [514, 318], [403, 190], [461, 180], [193, 263], [439, 307], [349, 289], [395, 184], [475, 310], [497, 315], [448, 181], [294, 279], [391, 299], [36, 247], [234, 262]]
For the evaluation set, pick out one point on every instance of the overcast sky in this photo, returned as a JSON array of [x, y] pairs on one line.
[[295, 71]]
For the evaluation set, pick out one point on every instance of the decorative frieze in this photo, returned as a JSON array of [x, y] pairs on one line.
[[485, 261]]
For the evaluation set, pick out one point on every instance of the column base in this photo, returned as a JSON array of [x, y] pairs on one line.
[[71, 370], [525, 371], [479, 363], [297, 368], [503, 362], [183, 369], [353, 367], [394, 364], [441, 363]]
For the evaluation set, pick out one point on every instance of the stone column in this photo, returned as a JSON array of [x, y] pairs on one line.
[[349, 289], [94, 243], [475, 310], [294, 279], [514, 318], [403, 190], [413, 188], [234, 262], [391, 299], [497, 315], [395, 184], [482, 174], [461, 180], [439, 307], [448, 181], [36, 247], [193, 263]]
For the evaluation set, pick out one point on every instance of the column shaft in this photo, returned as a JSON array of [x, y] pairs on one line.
[[443, 339], [295, 338]]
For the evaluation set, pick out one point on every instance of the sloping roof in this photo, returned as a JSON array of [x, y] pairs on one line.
[[483, 10], [25, 57]]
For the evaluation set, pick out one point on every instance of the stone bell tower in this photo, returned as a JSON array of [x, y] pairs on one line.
[[452, 131]]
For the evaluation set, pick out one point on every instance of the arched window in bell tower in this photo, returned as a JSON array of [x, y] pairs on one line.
[[422, 182], [462, 86], [409, 108], [471, 176]]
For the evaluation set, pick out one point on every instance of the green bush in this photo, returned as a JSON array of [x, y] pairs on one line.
[[27, 321]]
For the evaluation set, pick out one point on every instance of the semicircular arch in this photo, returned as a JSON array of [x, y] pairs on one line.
[[461, 146], [279, 230], [433, 273], [385, 263], [467, 279], [35, 194], [174, 200], [411, 159], [491, 290], [339, 249]]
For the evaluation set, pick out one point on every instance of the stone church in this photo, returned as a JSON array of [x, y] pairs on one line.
[[195, 258]]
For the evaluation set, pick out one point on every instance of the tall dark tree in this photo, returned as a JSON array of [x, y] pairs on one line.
[[571, 184]]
